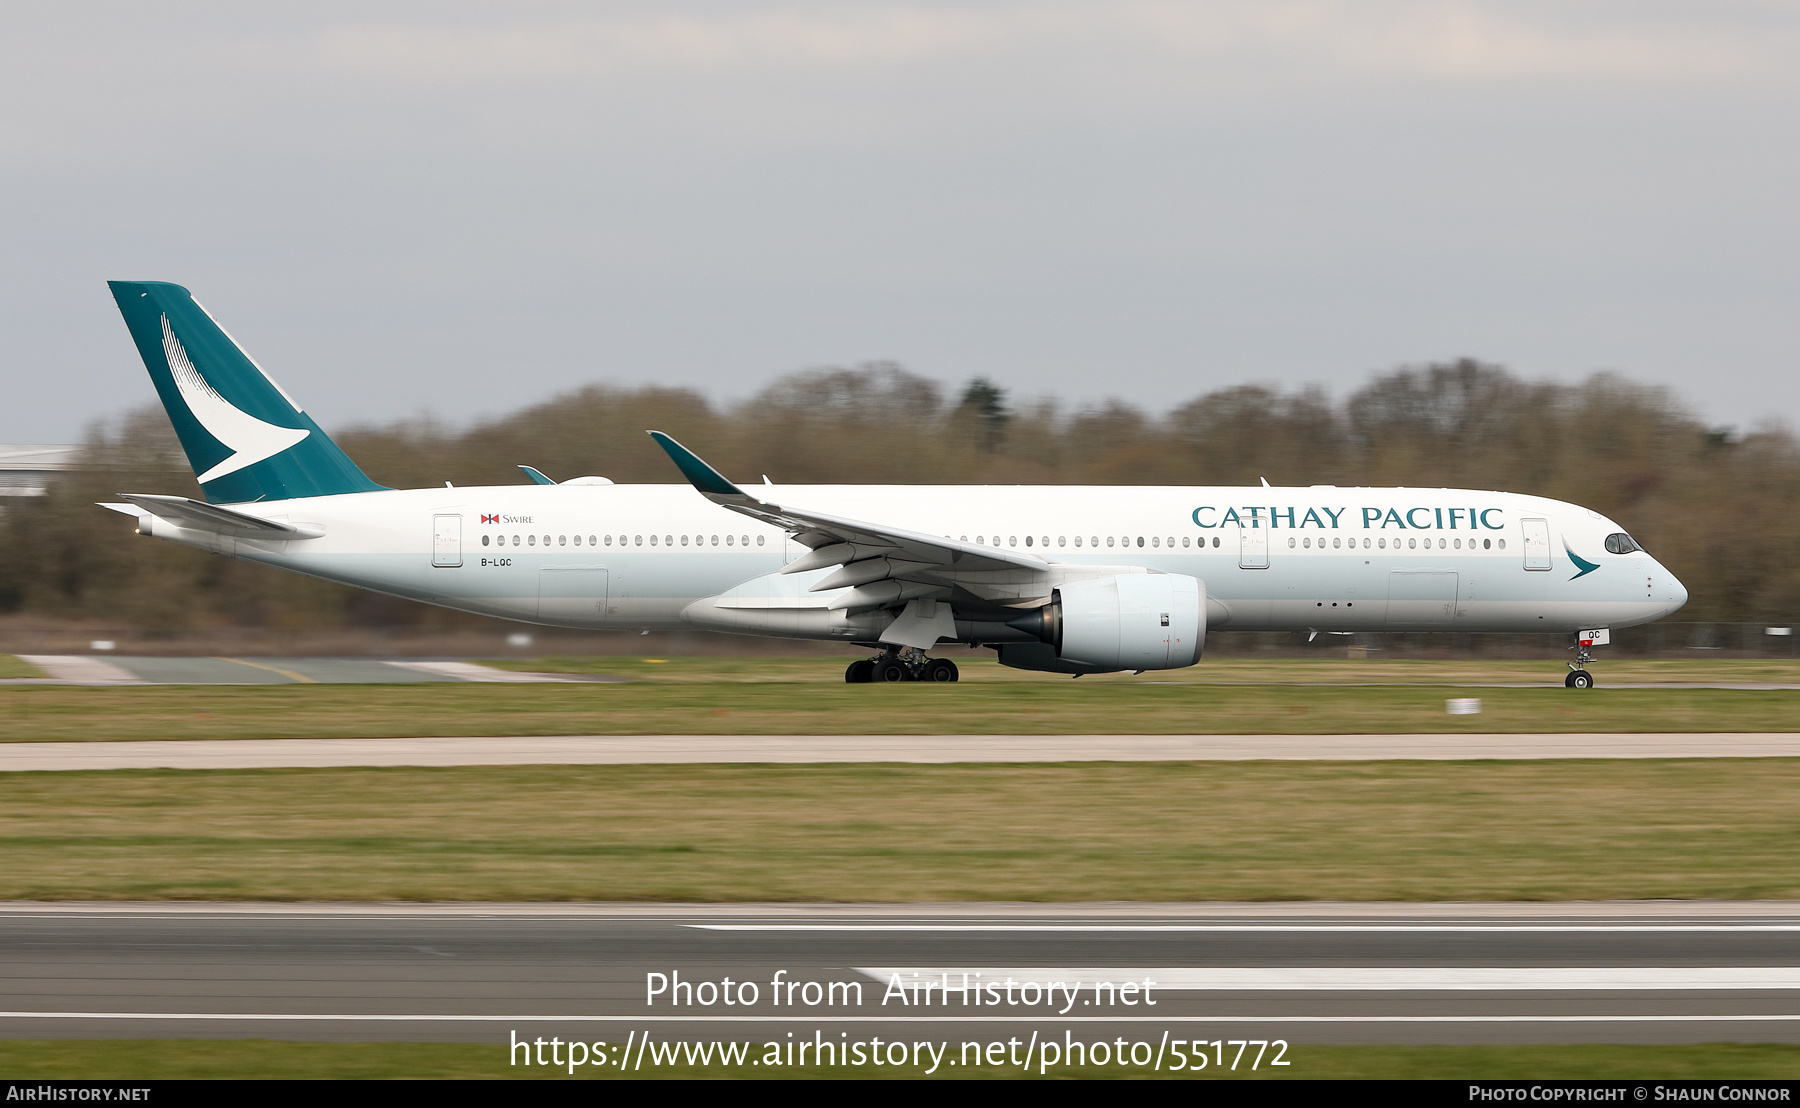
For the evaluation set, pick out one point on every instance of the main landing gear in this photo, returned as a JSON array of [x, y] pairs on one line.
[[909, 664]]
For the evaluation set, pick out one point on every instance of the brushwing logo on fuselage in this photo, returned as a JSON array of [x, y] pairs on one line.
[[249, 439], [1583, 567]]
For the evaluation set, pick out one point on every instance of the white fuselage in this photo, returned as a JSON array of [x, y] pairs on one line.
[[644, 556]]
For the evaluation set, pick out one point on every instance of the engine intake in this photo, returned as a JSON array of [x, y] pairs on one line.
[[1130, 621]]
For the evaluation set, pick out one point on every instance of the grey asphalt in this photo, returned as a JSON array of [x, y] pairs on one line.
[[692, 749], [1657, 973]]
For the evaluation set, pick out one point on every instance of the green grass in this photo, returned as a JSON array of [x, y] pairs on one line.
[[1406, 831], [11, 666], [31, 713], [166, 1059]]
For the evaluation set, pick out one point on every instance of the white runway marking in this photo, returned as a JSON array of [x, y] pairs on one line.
[[1356, 978], [1635, 916], [82, 670], [1233, 928], [469, 671], [921, 749]]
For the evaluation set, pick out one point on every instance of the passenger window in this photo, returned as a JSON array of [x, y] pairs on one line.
[[1012, 540], [652, 540], [1154, 541], [1486, 543], [1502, 543], [669, 540], [484, 540], [591, 541], [533, 541], [1061, 541], [759, 540], [1185, 540], [561, 540], [728, 539], [1027, 540], [1109, 540], [1290, 542]]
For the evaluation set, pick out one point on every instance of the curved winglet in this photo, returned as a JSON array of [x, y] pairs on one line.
[[705, 478], [536, 477]]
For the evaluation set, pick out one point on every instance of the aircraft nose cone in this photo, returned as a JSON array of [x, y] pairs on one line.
[[1677, 592]]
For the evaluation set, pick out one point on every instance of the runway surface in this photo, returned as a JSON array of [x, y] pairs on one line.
[[685, 749], [112, 669], [1301, 973]]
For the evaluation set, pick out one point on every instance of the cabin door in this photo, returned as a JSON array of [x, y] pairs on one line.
[[1253, 546], [446, 540], [1537, 543]]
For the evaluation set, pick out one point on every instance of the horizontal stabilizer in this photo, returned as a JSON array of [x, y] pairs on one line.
[[197, 516]]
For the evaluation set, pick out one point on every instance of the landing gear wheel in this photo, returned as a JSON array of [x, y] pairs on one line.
[[1580, 679], [939, 669], [886, 670], [861, 672]]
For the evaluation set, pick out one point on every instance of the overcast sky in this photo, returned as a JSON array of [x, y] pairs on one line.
[[462, 209]]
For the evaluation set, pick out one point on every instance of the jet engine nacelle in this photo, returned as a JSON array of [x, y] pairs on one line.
[[1131, 621]]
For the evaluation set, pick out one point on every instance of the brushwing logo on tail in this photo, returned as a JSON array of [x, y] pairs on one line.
[[250, 440]]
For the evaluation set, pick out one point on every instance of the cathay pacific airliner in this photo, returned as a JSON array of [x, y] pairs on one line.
[[1058, 579]]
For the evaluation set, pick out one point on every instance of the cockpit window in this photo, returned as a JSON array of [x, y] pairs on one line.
[[1621, 543]]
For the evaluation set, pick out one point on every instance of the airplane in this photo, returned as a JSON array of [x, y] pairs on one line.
[[1058, 579]]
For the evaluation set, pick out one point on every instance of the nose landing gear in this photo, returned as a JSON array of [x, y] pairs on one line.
[[909, 664], [1579, 677]]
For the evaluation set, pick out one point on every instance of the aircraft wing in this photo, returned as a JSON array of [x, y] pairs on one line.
[[199, 516], [882, 565]]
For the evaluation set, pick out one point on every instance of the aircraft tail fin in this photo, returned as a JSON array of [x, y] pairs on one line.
[[244, 437]]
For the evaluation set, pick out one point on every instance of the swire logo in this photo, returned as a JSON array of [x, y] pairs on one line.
[[485, 518]]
